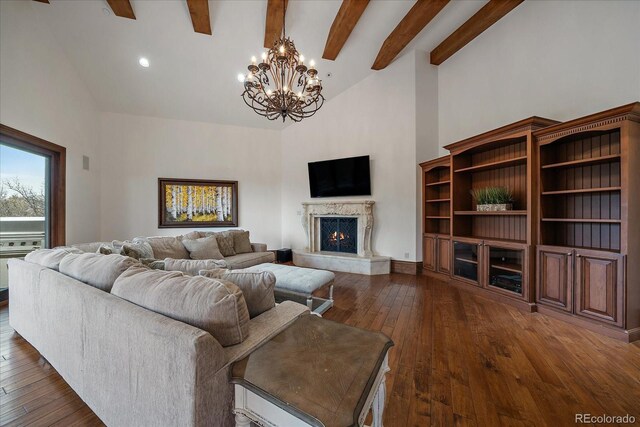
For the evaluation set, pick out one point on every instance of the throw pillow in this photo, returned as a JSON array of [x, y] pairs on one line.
[[99, 271], [154, 264], [225, 244], [203, 248], [215, 306], [130, 251], [105, 250], [192, 266], [165, 247], [241, 242], [257, 287]]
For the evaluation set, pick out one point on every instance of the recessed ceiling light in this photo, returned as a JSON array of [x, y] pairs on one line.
[[144, 62]]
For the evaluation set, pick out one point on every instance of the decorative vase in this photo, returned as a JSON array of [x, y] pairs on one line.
[[494, 207]]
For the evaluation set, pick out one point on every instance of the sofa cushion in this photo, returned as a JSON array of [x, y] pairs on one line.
[[165, 247], [241, 242], [50, 258], [192, 266], [257, 287], [203, 248], [99, 271], [215, 306], [249, 259]]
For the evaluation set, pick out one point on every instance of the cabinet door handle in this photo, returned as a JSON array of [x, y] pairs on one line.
[[578, 255], [570, 253]]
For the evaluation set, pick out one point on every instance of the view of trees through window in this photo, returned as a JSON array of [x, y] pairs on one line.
[[22, 183]]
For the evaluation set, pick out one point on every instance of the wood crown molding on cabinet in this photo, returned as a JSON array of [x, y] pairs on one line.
[[525, 125]]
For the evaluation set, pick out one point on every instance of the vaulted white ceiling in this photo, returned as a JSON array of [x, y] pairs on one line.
[[193, 76]]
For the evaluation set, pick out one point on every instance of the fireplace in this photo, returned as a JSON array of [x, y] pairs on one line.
[[339, 238], [339, 234]]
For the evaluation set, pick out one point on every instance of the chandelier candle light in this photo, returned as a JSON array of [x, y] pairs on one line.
[[268, 86]]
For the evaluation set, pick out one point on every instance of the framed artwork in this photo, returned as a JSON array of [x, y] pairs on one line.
[[197, 203]]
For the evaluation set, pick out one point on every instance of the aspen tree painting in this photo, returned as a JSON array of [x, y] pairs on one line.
[[197, 203]]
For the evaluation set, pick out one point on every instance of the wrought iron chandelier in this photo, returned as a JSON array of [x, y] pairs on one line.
[[269, 85]]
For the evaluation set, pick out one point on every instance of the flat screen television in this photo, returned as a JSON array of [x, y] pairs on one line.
[[340, 177]]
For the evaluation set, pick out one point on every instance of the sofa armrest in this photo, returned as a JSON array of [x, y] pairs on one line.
[[259, 247]]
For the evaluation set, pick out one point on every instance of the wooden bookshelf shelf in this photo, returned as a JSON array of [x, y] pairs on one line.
[[521, 160], [433, 184], [584, 162], [438, 217], [513, 268], [581, 190], [583, 220], [490, 213], [438, 200], [467, 260]]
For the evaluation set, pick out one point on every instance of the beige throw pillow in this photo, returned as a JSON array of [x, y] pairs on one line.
[[241, 242], [257, 287], [225, 243], [203, 248], [165, 247], [215, 306]]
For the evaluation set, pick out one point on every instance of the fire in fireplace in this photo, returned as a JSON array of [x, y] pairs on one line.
[[339, 234]]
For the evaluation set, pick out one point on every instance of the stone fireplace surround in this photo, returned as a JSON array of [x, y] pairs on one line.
[[364, 262]]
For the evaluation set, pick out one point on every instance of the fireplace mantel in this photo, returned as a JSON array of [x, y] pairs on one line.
[[363, 210], [364, 262]]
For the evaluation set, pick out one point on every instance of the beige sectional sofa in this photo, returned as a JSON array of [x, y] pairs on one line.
[[131, 365], [172, 247]]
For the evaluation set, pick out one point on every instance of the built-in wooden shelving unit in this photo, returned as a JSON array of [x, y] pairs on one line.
[[436, 211], [571, 245], [588, 253]]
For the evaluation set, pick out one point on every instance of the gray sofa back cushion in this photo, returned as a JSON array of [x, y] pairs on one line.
[[203, 248], [257, 287], [50, 258], [192, 266], [97, 270], [165, 247], [215, 306]]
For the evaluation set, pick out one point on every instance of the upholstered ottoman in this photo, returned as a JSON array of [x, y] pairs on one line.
[[296, 282]]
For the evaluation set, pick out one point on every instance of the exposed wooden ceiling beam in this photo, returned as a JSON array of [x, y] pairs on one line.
[[413, 22], [122, 8], [199, 11], [345, 21], [42, 1], [275, 20], [483, 19]]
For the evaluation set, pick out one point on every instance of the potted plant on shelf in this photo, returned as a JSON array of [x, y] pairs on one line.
[[493, 199]]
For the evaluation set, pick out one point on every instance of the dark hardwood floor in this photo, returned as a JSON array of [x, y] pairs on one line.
[[458, 360]]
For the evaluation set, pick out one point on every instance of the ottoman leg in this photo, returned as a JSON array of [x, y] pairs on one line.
[[331, 292], [310, 302]]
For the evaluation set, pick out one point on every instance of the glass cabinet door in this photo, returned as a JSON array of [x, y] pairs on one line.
[[465, 260], [505, 268]]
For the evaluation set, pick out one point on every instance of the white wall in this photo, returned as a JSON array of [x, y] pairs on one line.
[[136, 151], [41, 94], [375, 117], [555, 59]]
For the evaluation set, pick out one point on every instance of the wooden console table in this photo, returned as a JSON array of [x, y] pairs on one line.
[[314, 373]]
